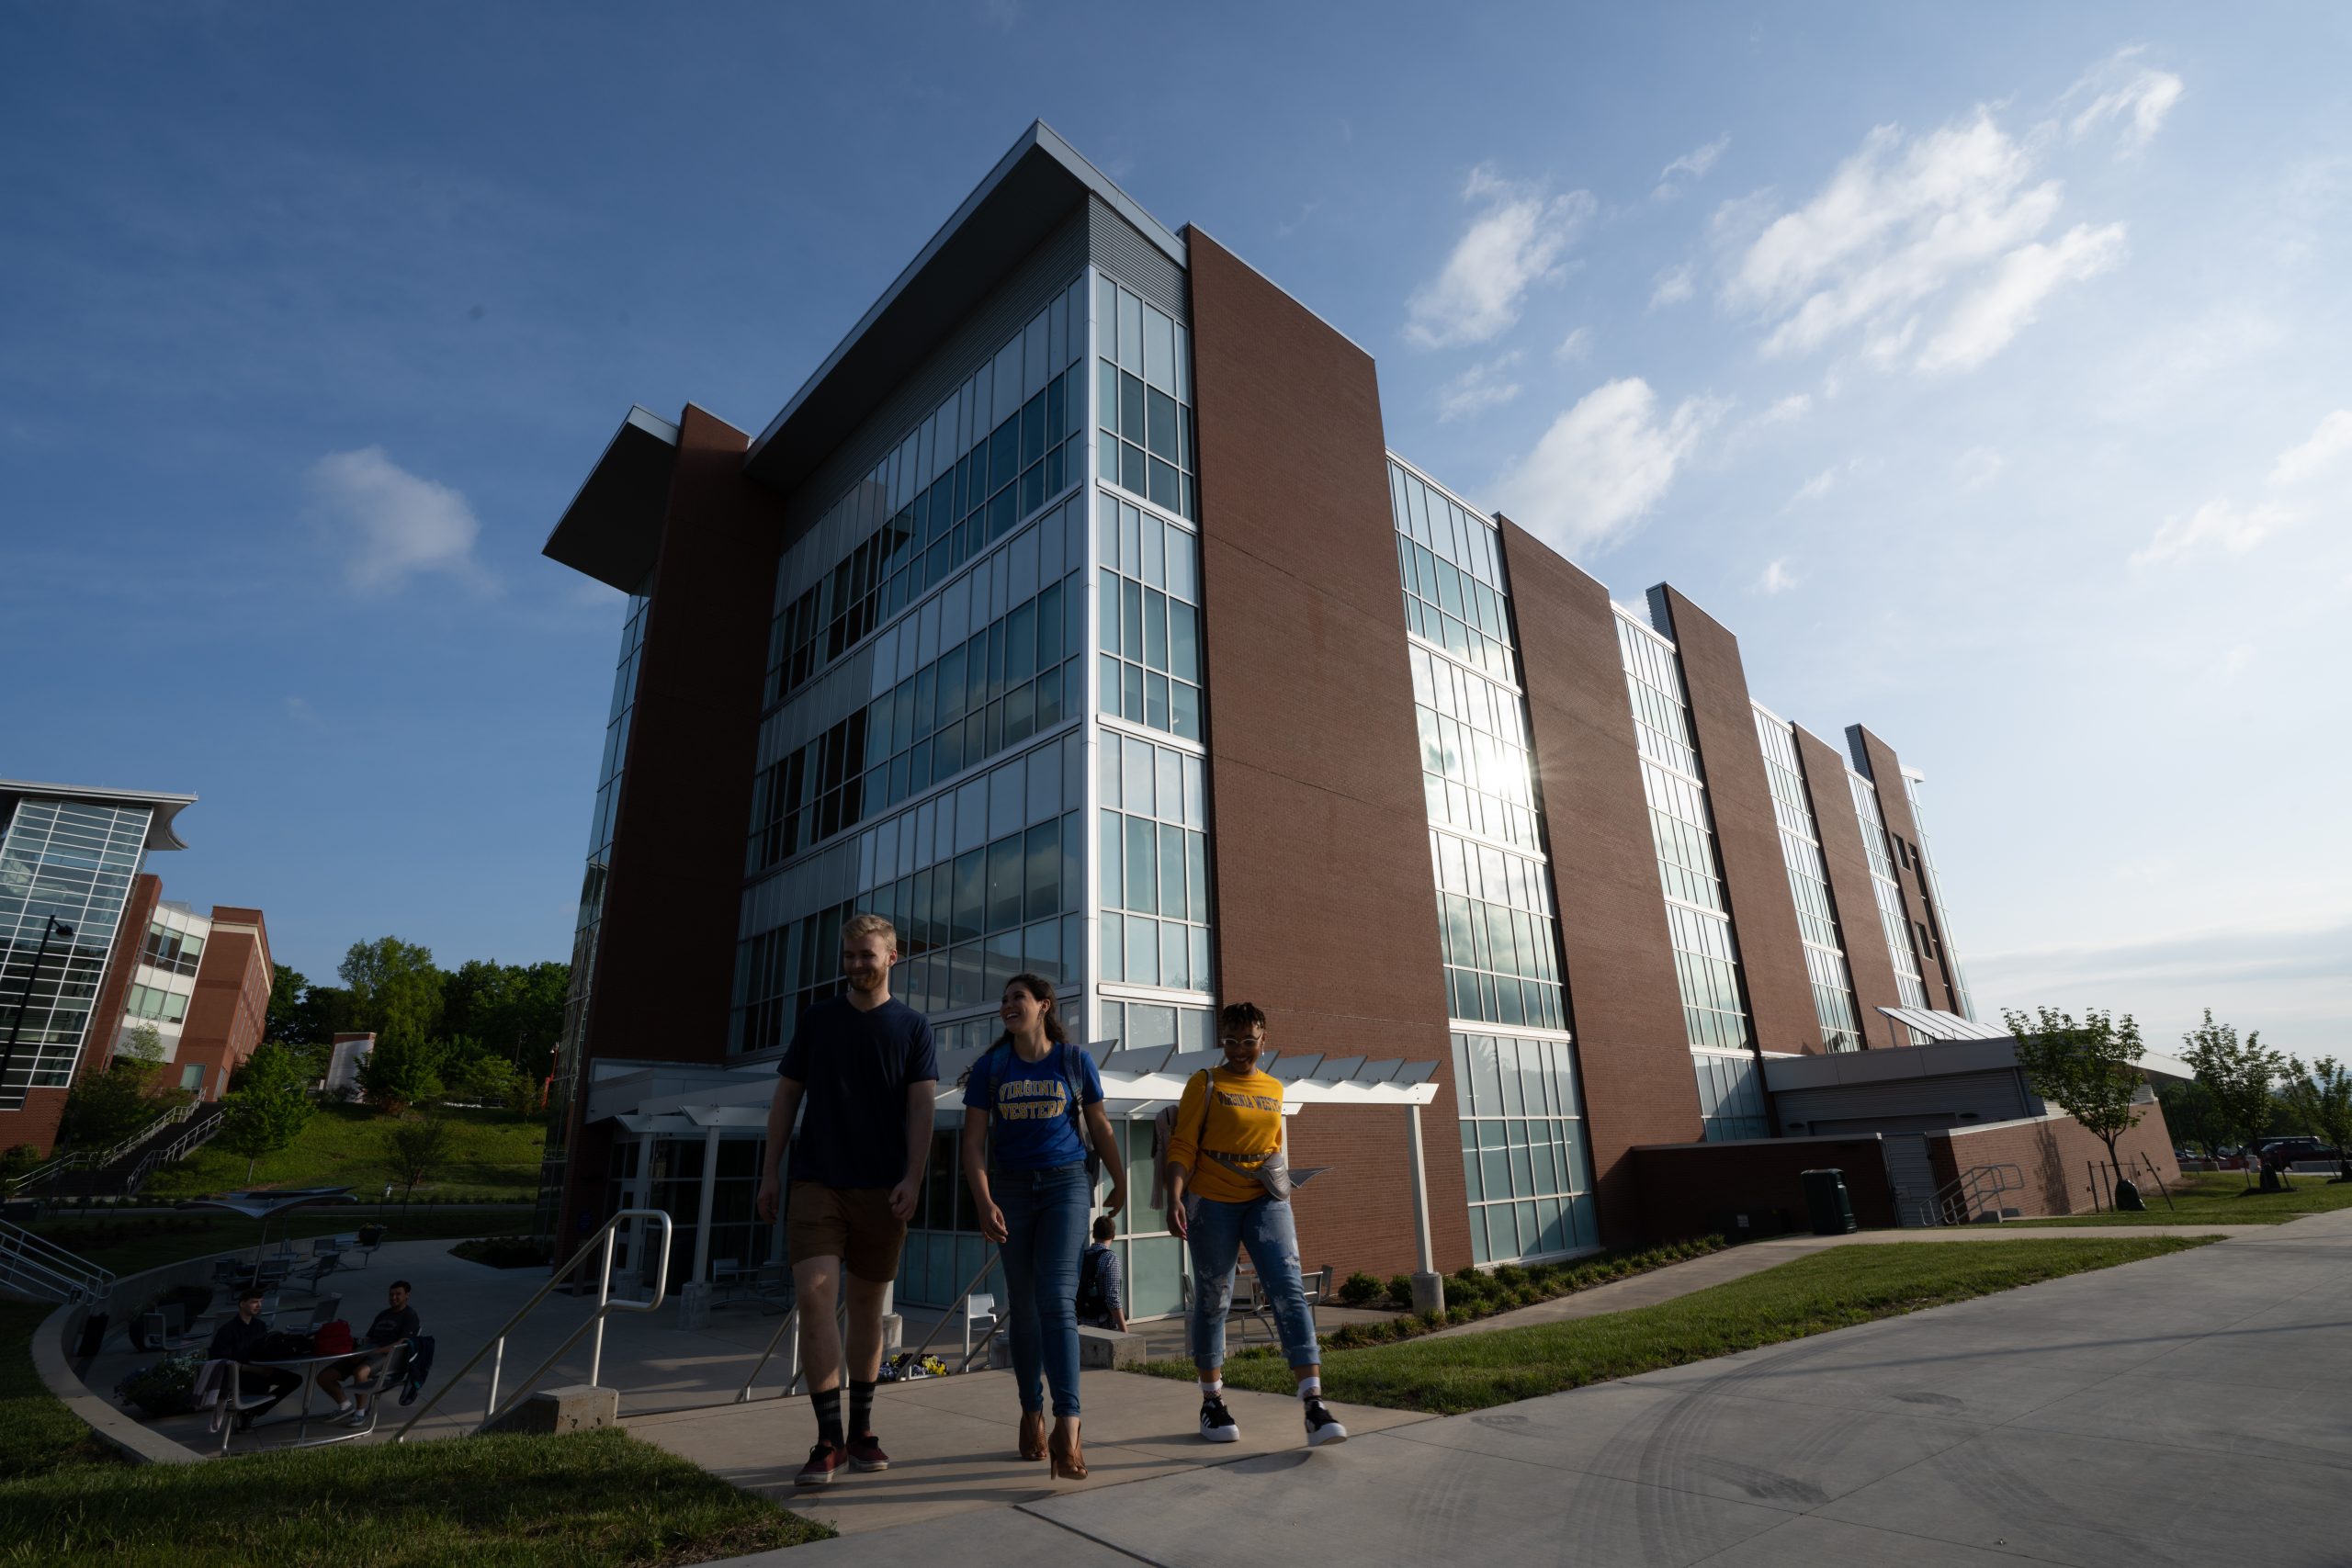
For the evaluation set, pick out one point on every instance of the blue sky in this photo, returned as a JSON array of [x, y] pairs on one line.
[[1984, 370]]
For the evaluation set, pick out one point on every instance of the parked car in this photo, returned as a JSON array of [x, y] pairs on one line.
[[2280, 1153]]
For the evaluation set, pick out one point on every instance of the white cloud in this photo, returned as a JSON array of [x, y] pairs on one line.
[[1672, 288], [1814, 488], [1788, 410], [1695, 163], [1603, 465], [1775, 577], [1902, 223], [1478, 389], [2296, 487], [1576, 346], [2138, 96], [1516, 241], [1977, 467], [394, 524], [2299, 465], [2234, 529], [1981, 325]]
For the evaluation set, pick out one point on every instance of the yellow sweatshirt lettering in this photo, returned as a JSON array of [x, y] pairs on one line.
[[1243, 1122]]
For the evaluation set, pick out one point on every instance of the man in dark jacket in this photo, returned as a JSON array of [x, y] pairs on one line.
[[234, 1341], [397, 1322]]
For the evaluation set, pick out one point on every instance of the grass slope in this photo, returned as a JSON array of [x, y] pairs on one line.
[[1829, 1290], [493, 1157], [594, 1497], [130, 1243], [2220, 1198]]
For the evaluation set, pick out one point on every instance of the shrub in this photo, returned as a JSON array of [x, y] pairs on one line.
[[1361, 1290], [1400, 1290], [508, 1251], [165, 1389]]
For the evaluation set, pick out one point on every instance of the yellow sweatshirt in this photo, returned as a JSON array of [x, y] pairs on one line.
[[1244, 1122]]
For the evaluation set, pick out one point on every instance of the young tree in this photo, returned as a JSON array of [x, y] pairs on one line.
[[419, 1144], [142, 1043], [284, 1023], [267, 1109], [104, 1108], [2190, 1113], [395, 989], [2090, 1070], [397, 1073], [2320, 1097], [490, 1080], [2239, 1076]]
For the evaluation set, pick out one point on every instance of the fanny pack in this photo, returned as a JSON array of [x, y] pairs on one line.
[[1270, 1170]]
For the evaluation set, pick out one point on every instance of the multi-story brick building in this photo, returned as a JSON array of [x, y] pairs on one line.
[[1075, 615]]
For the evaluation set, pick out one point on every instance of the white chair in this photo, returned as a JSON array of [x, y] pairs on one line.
[[980, 1308]]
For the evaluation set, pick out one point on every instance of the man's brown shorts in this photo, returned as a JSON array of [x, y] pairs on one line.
[[852, 1223]]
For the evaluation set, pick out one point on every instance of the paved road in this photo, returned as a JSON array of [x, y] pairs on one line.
[[2189, 1410]]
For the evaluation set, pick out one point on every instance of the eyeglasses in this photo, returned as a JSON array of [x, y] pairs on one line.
[[1241, 1040]]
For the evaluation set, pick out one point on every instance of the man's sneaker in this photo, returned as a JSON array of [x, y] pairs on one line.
[[1322, 1427], [355, 1416], [1218, 1425], [823, 1459], [866, 1453]]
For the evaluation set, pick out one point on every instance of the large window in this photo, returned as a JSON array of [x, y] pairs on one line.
[[1152, 865], [1731, 1095], [155, 1003], [1495, 922], [1949, 955], [1524, 1155], [1143, 398], [1150, 581], [170, 950], [1893, 919], [73, 862], [1825, 951]]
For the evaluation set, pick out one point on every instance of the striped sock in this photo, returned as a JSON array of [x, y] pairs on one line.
[[861, 1409], [829, 1415]]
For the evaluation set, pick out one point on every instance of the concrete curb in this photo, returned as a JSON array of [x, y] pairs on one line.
[[137, 1442]]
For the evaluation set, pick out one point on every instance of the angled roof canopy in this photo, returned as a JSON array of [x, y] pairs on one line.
[[612, 530], [1030, 191], [162, 834]]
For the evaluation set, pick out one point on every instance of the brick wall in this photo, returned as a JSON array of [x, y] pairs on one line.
[[1693, 1189], [2053, 1154], [1859, 926], [230, 1008], [1325, 900]]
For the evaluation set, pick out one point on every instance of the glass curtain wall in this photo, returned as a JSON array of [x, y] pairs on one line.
[[69, 860], [1824, 951], [1698, 915], [1936, 896], [1893, 919], [590, 918], [1523, 1152]]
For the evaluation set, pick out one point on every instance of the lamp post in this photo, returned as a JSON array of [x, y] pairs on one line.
[[16, 1027]]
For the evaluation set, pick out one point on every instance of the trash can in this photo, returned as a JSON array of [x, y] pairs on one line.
[[1825, 1200]]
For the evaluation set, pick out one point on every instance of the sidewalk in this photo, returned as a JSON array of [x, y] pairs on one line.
[[2189, 1409]]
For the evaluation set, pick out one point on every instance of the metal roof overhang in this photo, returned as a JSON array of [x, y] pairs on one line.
[[1938, 1025], [1031, 189], [161, 832], [612, 530]]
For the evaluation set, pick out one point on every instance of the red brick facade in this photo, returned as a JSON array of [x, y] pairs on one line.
[[1849, 865], [2055, 1155], [1910, 871], [1696, 1189], [1325, 900], [231, 1007]]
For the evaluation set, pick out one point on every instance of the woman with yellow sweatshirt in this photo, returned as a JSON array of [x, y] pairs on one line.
[[1228, 1187]]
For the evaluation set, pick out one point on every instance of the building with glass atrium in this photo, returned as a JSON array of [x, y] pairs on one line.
[[1075, 616]]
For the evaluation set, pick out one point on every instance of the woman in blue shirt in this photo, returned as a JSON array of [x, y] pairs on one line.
[[1034, 1109]]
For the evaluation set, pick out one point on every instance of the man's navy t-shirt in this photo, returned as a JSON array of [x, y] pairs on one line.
[[854, 1068]]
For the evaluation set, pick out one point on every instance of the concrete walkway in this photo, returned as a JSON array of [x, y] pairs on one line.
[[2187, 1410]]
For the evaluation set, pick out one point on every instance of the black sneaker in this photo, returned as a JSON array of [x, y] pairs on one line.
[[1218, 1425], [1322, 1427]]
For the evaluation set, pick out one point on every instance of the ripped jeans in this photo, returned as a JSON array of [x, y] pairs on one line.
[[1218, 1232]]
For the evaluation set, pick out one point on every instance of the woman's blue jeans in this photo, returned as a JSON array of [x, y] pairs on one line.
[[1217, 1233], [1045, 1230]]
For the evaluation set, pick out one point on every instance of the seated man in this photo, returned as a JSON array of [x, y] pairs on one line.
[[394, 1324], [233, 1341]]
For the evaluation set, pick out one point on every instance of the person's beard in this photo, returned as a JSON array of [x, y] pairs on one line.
[[869, 981]]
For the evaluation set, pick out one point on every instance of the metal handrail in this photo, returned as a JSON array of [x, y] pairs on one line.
[[1955, 1203], [187, 1143], [78, 1278], [744, 1395], [94, 1159], [605, 1305]]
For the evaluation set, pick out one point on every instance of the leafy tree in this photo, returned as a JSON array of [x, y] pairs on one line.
[[419, 1145], [395, 989], [2090, 1070], [104, 1108], [397, 1073], [2320, 1097], [141, 1042], [491, 1080], [2238, 1076], [324, 1013], [285, 1021], [18, 1161], [2190, 1113], [267, 1109], [515, 1011]]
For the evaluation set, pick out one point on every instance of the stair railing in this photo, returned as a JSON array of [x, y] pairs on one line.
[[495, 1346], [42, 1268], [91, 1159], [1967, 1195]]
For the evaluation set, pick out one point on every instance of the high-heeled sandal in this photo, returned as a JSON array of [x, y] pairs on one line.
[[1033, 1434], [1068, 1457]]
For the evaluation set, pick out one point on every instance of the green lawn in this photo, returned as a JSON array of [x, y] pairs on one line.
[[2220, 1198], [596, 1497], [493, 1157], [129, 1243], [1834, 1289]]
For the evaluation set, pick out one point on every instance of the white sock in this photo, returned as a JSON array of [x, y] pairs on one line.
[[1211, 1387], [1312, 1388], [345, 1407]]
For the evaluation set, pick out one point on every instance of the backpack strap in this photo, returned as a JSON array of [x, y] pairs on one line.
[[1200, 1133], [1065, 1059]]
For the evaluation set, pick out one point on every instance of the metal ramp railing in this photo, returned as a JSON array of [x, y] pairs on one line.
[[1976, 1194], [94, 1159], [495, 1346], [38, 1268], [792, 1320]]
